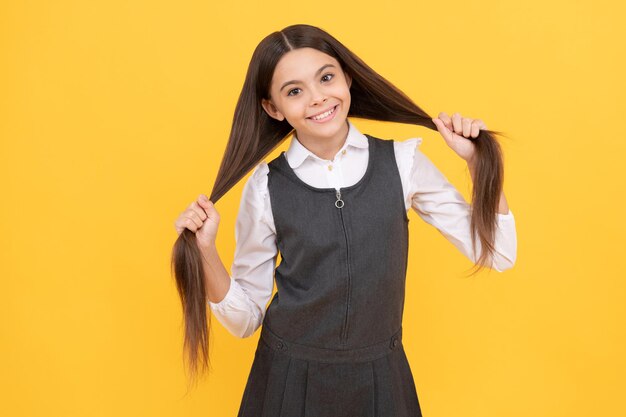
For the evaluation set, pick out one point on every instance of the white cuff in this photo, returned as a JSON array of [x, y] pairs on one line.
[[507, 216], [236, 312]]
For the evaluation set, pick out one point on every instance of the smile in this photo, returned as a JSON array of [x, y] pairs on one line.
[[326, 116]]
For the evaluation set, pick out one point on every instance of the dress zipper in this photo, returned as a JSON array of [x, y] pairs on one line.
[[339, 204]]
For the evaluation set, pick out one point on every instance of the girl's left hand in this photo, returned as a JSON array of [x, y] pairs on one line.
[[451, 130]]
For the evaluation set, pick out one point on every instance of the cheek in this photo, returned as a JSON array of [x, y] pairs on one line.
[[345, 95], [343, 91], [295, 109]]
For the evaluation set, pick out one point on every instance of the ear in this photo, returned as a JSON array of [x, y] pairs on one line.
[[271, 109]]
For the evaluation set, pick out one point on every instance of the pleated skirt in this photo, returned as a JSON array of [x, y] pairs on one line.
[[291, 380]]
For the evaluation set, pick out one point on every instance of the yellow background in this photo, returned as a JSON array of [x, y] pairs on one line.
[[114, 116]]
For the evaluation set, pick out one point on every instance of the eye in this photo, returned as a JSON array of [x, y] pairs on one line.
[[325, 75]]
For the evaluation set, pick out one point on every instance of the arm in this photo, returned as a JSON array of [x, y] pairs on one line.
[[239, 303], [216, 278], [503, 207], [440, 204]]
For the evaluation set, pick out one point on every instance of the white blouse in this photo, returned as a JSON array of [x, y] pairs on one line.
[[426, 190]]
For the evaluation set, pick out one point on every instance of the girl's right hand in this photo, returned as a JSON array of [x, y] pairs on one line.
[[202, 218]]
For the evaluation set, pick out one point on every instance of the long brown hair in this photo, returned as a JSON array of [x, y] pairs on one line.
[[254, 134]]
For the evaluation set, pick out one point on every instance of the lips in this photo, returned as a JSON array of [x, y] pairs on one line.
[[322, 112]]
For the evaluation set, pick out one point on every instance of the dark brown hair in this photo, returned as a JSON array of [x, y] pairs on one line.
[[254, 134]]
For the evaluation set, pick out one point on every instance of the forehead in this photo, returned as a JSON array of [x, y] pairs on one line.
[[300, 64]]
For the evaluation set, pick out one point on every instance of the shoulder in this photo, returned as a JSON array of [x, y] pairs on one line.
[[255, 189], [254, 207], [405, 151], [260, 170], [407, 145], [258, 179], [259, 182]]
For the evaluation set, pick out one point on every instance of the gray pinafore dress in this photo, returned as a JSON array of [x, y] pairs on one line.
[[331, 339]]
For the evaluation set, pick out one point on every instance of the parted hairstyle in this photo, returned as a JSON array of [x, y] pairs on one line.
[[254, 134]]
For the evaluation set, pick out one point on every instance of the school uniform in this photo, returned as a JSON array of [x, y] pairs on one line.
[[331, 338]]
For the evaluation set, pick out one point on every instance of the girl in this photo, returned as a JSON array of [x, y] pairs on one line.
[[335, 206]]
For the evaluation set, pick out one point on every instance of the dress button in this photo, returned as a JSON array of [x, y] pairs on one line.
[[330, 167], [279, 345], [343, 152], [394, 343]]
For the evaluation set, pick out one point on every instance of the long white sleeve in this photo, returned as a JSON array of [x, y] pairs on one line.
[[440, 204], [242, 310], [426, 190]]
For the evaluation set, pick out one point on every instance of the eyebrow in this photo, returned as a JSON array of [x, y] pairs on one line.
[[296, 81]]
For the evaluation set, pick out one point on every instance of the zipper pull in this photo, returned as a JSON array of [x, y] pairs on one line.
[[339, 202]]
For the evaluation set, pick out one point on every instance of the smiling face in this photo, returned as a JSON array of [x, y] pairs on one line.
[[306, 83]]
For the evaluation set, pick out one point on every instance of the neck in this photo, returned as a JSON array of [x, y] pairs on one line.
[[326, 148]]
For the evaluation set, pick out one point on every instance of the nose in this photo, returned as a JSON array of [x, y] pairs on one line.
[[318, 97]]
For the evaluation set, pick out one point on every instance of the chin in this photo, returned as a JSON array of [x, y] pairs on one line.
[[329, 129]]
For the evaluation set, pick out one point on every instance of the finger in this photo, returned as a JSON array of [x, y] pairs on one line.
[[206, 204], [186, 223], [195, 218], [445, 132], [456, 123], [446, 120], [178, 227], [475, 128], [199, 210], [467, 126], [203, 200], [481, 124]]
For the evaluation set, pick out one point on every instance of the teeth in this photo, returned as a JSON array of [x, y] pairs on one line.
[[323, 115]]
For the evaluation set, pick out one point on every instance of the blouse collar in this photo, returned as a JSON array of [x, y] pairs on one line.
[[297, 153]]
